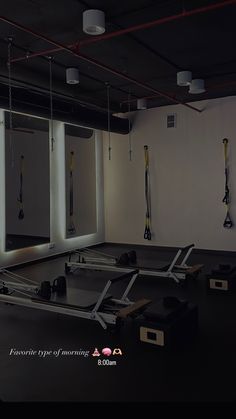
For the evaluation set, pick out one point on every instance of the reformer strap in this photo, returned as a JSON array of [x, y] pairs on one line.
[[226, 200], [147, 231], [21, 214], [71, 228]]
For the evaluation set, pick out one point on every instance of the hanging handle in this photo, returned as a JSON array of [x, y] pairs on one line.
[[228, 223], [147, 234]]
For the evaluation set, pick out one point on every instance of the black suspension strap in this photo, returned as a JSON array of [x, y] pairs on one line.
[[71, 229], [51, 103], [21, 214], [10, 100], [130, 139], [226, 200], [147, 231], [108, 121]]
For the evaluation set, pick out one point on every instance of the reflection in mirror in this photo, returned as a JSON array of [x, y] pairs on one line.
[[27, 181], [81, 214]]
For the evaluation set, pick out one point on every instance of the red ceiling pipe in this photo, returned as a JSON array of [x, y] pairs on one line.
[[160, 21], [135, 81], [135, 28], [135, 100], [221, 85], [213, 87], [96, 63]]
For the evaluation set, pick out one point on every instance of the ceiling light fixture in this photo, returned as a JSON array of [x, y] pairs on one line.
[[197, 86], [142, 104], [72, 75], [184, 78], [93, 22]]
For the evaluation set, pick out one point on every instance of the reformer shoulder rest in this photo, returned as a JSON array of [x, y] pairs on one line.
[[165, 309]]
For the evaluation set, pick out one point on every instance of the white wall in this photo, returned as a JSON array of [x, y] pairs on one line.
[[57, 203], [187, 177]]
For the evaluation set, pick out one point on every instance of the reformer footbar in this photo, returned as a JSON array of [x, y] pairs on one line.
[[71, 229], [97, 306], [226, 200], [21, 214], [147, 231]]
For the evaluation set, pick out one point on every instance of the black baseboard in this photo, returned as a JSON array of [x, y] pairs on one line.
[[172, 249], [130, 246]]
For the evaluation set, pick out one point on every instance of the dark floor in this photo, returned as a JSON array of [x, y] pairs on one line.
[[203, 372]]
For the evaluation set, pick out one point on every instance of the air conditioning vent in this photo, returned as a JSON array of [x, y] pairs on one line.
[[171, 120]]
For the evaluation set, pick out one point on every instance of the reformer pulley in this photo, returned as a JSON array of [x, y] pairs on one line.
[[147, 231], [226, 200]]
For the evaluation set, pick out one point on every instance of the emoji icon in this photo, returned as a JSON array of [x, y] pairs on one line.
[[117, 351], [107, 351], [96, 353]]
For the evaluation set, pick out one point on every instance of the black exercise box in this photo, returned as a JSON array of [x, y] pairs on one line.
[[168, 323], [222, 278]]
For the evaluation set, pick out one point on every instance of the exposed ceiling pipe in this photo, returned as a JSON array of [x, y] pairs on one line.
[[135, 100], [97, 64], [76, 114], [209, 87], [137, 82], [160, 21], [130, 29], [221, 85], [22, 84]]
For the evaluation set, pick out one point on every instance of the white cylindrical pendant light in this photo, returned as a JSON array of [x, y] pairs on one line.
[[184, 78], [72, 75], [93, 22], [142, 104], [197, 86]]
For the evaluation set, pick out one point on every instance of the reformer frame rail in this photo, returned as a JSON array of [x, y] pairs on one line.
[[96, 313], [177, 269]]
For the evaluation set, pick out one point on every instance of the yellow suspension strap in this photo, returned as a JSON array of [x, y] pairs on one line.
[[21, 214], [147, 231], [71, 229], [226, 200]]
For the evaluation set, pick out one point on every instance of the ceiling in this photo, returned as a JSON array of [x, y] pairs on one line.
[[145, 61]]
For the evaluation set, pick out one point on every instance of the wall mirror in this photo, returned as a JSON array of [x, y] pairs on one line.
[[80, 164], [27, 181]]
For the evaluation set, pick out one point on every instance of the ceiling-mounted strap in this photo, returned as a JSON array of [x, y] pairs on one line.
[[71, 228], [9, 49], [51, 102], [130, 139], [147, 231], [226, 200], [108, 120], [21, 214]]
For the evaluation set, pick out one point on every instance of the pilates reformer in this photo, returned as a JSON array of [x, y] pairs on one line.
[[177, 269], [58, 298]]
